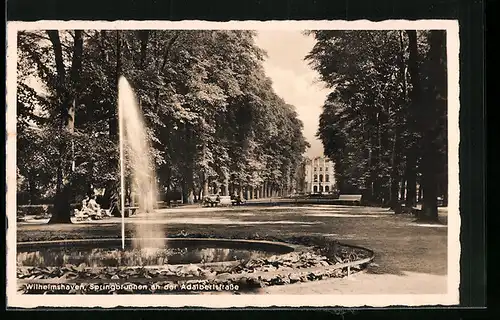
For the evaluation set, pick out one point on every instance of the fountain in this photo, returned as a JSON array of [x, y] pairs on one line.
[[135, 150], [150, 257]]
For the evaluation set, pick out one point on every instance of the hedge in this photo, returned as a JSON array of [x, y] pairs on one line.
[[40, 209]]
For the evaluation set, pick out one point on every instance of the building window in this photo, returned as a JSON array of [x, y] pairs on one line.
[[315, 178], [315, 169], [326, 169], [320, 169], [320, 178], [315, 189], [327, 188], [327, 178], [320, 188]]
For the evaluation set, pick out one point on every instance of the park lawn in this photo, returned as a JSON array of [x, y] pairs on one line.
[[399, 245]]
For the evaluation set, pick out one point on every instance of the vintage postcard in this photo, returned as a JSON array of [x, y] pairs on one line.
[[232, 164]]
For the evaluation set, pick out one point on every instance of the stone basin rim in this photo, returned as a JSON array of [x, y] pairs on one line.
[[225, 276], [220, 242]]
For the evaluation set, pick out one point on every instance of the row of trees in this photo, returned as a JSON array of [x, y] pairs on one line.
[[211, 113], [385, 121]]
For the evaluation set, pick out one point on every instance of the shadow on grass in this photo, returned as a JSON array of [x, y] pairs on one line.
[[398, 245], [384, 269]]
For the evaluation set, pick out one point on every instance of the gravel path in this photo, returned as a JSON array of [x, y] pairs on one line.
[[367, 283]]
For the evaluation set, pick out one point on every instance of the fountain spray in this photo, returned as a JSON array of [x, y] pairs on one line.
[[122, 161], [134, 144]]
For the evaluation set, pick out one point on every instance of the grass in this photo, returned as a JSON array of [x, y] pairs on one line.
[[398, 243]]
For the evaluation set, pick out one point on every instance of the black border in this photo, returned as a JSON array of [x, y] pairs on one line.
[[470, 14], [224, 10]]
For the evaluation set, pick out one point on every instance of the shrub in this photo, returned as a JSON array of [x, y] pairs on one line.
[[39, 209]]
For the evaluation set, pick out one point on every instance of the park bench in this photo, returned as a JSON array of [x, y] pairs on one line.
[[214, 200], [175, 203], [237, 201], [210, 200], [225, 201], [130, 211], [80, 215], [354, 199]]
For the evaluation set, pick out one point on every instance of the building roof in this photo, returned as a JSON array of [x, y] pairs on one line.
[[318, 158]]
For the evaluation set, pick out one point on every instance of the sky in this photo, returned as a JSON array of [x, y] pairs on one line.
[[293, 79]]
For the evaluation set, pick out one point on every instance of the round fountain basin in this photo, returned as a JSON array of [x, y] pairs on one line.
[[109, 253]]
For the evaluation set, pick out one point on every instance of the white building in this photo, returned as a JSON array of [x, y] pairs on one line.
[[319, 175]]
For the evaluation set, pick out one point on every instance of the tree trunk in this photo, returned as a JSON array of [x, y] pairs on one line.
[[403, 190], [168, 186], [411, 181], [374, 180], [419, 196], [62, 205], [32, 189], [226, 187], [160, 69], [437, 96], [240, 190], [184, 191], [394, 179], [111, 196], [128, 190], [378, 177], [429, 182], [90, 179], [113, 118], [398, 192], [144, 38], [205, 188], [416, 97], [66, 90]]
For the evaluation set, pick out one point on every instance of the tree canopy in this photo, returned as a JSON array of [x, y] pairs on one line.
[[384, 122], [212, 116]]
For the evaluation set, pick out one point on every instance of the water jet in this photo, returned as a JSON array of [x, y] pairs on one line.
[[135, 154]]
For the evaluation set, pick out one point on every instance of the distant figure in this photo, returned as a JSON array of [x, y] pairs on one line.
[[84, 213], [191, 197], [90, 190], [239, 200], [114, 205], [85, 201], [94, 207]]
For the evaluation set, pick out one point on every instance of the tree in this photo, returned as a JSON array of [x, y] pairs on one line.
[[61, 75], [211, 114], [434, 112], [377, 122]]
